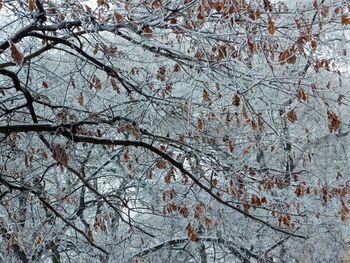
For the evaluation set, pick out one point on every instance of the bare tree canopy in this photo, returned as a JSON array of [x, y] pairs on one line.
[[174, 131]]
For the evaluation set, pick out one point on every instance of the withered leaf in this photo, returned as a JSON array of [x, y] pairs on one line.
[[118, 18], [16, 55], [59, 154], [345, 20], [31, 5], [271, 28], [191, 233], [184, 211], [90, 236], [200, 123], [333, 121], [236, 100], [292, 116], [147, 31], [45, 85], [81, 98], [301, 94], [115, 86]]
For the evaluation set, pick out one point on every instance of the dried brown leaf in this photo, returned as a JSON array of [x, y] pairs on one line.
[[267, 6], [246, 151], [271, 28], [200, 123], [147, 31], [16, 55], [207, 221], [59, 154], [161, 164], [184, 211], [31, 5], [81, 98], [119, 18], [45, 85], [115, 86], [292, 116], [191, 233], [345, 20], [301, 94], [90, 236], [236, 100], [333, 121]]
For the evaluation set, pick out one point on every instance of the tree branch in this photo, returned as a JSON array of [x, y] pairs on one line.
[[178, 165]]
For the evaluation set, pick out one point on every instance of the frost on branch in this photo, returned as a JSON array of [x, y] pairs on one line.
[[163, 131]]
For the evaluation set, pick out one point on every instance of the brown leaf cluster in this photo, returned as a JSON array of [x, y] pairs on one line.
[[288, 56], [60, 155]]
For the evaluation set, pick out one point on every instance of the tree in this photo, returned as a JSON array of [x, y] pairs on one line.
[[180, 131]]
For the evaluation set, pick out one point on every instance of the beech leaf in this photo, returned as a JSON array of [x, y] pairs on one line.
[[45, 85], [236, 100], [301, 94], [200, 123], [16, 55], [59, 154], [118, 17], [31, 5], [191, 233], [90, 236], [345, 20], [292, 116], [147, 31], [81, 99], [271, 28], [333, 121]]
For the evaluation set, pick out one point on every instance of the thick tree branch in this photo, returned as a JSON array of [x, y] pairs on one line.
[[165, 156], [100, 141], [33, 27], [234, 249]]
